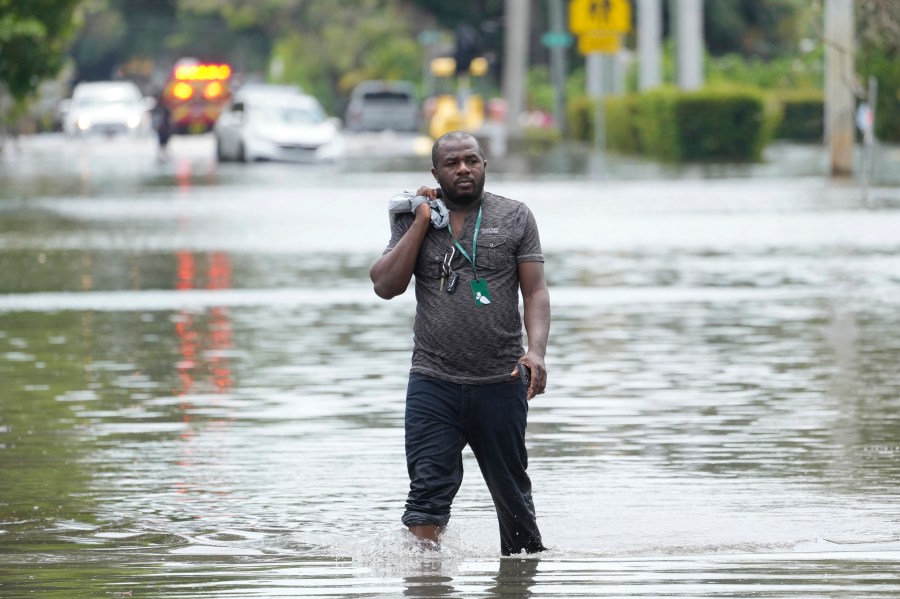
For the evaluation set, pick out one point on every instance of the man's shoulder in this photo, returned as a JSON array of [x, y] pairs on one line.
[[499, 199], [501, 204]]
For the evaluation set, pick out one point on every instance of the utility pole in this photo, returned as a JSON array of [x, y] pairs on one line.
[[558, 65], [840, 75], [649, 22], [689, 43], [515, 61]]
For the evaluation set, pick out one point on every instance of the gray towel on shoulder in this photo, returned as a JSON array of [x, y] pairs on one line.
[[408, 202]]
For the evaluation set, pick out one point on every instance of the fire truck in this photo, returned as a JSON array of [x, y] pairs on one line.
[[196, 94]]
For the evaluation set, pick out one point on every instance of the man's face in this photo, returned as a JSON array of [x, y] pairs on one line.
[[460, 171]]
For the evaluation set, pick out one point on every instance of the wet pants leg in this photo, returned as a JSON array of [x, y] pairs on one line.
[[496, 433], [441, 418], [434, 442]]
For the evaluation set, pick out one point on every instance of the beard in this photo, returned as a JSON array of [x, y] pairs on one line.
[[465, 198]]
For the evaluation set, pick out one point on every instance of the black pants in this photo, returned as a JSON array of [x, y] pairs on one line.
[[441, 418]]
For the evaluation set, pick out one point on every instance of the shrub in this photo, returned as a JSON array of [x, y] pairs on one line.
[[712, 124], [540, 140], [580, 118], [720, 124], [803, 117], [656, 124], [786, 72], [620, 118], [621, 124]]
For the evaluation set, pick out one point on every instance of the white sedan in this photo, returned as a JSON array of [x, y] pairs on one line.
[[289, 127], [108, 108]]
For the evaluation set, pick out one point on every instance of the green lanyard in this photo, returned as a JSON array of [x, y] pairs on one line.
[[474, 243]]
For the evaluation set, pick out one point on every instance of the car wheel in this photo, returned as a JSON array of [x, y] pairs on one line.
[[242, 153]]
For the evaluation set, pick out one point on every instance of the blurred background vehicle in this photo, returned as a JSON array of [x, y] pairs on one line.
[[196, 94], [457, 99], [380, 105], [254, 87], [106, 107], [277, 125]]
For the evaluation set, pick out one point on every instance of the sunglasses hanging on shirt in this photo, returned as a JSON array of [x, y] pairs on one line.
[[449, 278]]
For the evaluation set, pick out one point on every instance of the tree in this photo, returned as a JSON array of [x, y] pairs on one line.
[[879, 24], [327, 46], [34, 36], [130, 37], [758, 28]]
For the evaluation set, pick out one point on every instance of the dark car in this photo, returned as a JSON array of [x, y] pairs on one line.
[[383, 105]]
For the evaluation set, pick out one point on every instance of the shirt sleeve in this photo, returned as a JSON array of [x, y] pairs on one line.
[[530, 241], [399, 227]]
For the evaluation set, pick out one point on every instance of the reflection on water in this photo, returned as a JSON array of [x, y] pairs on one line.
[[202, 399]]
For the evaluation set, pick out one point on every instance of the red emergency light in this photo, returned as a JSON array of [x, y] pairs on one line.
[[202, 72], [213, 90], [182, 91]]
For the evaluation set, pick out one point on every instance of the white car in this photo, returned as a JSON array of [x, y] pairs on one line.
[[383, 105], [279, 126], [107, 107]]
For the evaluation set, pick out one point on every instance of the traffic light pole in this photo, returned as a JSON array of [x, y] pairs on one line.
[[515, 62], [558, 65]]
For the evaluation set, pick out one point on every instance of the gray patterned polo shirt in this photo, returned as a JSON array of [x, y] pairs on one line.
[[454, 339]]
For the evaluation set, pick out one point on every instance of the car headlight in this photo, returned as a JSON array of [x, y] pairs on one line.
[[83, 122], [134, 121]]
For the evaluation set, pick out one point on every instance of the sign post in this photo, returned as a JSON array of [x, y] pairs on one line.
[[557, 40], [599, 25]]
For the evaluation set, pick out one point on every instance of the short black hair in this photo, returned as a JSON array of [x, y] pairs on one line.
[[453, 136]]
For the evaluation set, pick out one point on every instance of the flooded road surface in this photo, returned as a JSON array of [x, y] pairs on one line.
[[200, 396]]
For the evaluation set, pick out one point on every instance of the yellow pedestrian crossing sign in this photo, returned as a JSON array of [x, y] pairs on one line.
[[601, 43], [607, 16]]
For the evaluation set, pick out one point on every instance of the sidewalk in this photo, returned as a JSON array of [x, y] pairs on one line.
[[780, 160]]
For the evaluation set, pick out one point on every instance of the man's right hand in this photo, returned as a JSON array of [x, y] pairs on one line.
[[392, 272], [423, 211]]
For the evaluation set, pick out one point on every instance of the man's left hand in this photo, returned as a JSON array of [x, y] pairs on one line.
[[538, 374], [430, 193]]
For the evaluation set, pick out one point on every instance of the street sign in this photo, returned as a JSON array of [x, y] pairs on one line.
[[429, 37], [556, 39], [611, 16], [601, 43]]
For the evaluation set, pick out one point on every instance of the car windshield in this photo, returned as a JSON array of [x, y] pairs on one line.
[[288, 115], [107, 96], [387, 97]]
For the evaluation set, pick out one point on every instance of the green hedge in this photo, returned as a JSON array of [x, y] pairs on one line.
[[621, 121], [656, 125], [712, 124], [803, 115], [580, 118]]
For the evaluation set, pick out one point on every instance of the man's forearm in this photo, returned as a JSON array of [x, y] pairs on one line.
[[392, 272], [537, 321]]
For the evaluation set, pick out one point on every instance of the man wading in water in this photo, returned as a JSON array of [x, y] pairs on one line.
[[465, 385]]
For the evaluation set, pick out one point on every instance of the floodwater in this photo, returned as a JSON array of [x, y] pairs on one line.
[[200, 396]]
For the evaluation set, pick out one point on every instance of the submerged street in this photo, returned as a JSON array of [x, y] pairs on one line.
[[200, 395]]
